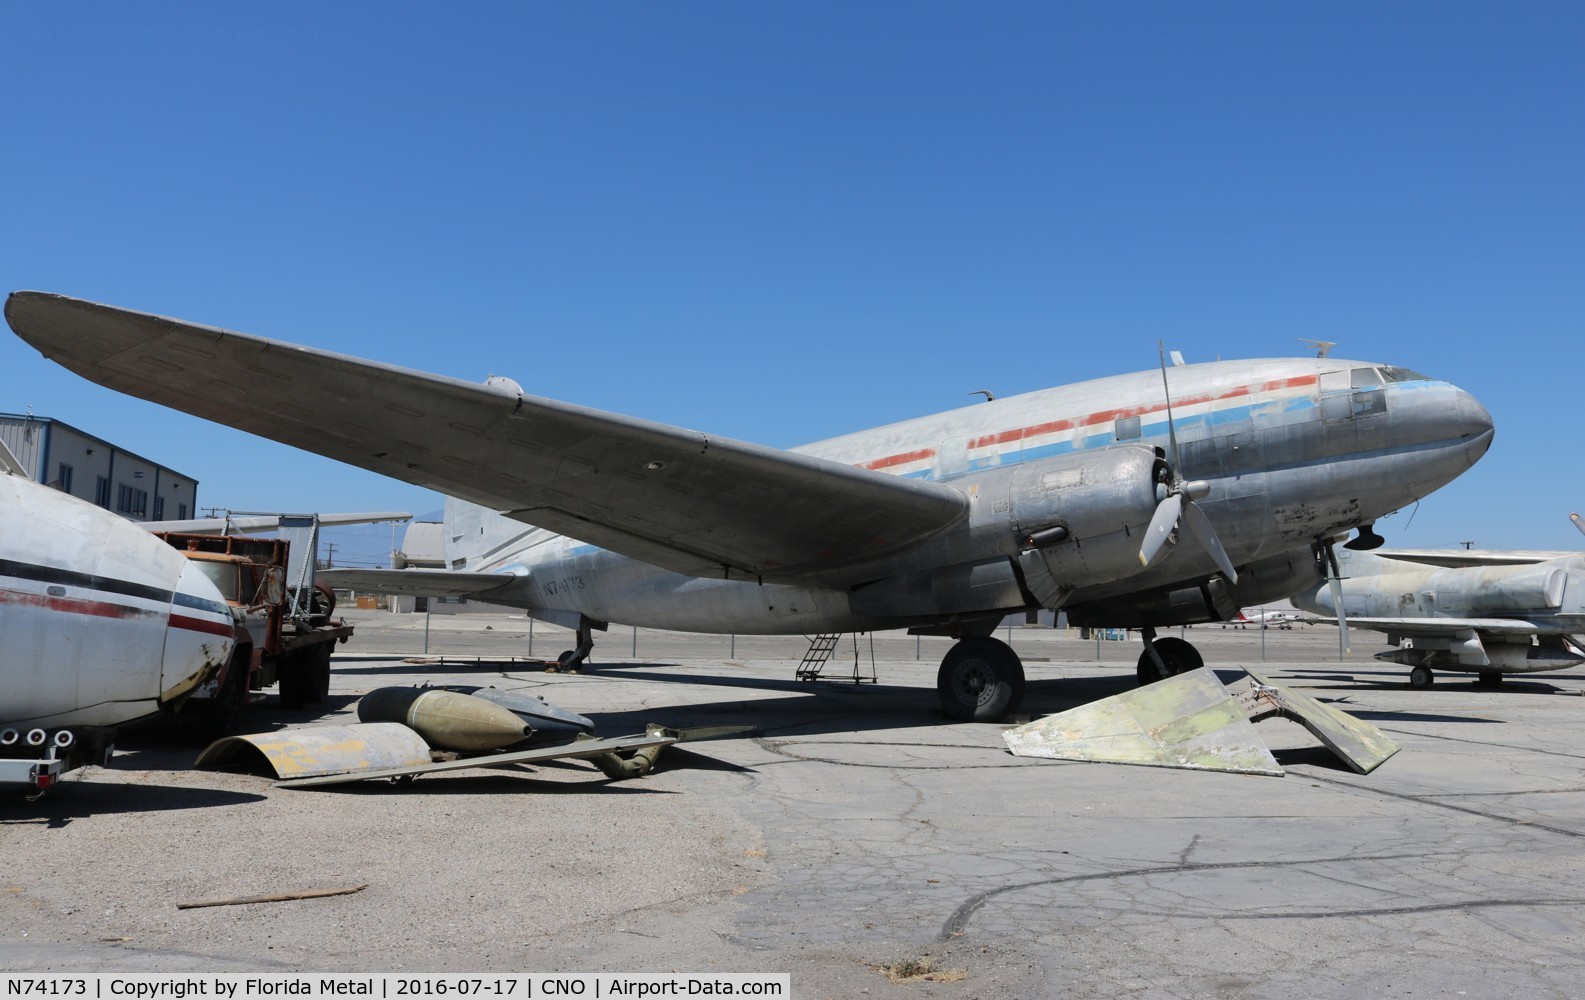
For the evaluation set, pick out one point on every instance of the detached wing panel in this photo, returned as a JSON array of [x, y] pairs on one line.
[[677, 498]]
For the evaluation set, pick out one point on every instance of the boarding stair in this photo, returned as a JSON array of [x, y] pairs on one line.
[[821, 647]]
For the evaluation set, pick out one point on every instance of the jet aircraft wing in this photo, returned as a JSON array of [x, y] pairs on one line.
[[677, 498], [1440, 626], [1457, 558], [421, 582]]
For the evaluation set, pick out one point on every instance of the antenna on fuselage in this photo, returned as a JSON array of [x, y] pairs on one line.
[[988, 394], [1322, 347]]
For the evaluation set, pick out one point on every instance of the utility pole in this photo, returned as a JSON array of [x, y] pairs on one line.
[[330, 555], [1467, 545]]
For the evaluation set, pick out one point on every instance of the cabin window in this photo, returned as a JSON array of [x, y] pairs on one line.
[[1361, 377], [952, 458], [1336, 406], [1127, 428], [1368, 402]]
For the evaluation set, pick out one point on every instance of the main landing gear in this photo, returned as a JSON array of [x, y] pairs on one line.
[[981, 680], [572, 660], [1165, 657]]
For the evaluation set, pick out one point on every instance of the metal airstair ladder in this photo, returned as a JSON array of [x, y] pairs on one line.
[[819, 654]]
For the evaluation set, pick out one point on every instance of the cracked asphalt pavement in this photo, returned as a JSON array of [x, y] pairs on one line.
[[853, 827]]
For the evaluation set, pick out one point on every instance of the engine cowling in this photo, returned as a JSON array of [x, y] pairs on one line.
[[1083, 516]]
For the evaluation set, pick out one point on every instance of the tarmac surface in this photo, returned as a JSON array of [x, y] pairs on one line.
[[854, 828]]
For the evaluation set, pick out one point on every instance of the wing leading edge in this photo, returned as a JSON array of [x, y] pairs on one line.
[[680, 499]]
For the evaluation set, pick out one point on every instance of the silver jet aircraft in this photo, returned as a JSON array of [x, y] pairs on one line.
[[1070, 497], [1486, 613]]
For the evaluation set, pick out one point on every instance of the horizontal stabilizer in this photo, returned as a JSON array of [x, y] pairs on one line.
[[418, 582], [1193, 721], [250, 524]]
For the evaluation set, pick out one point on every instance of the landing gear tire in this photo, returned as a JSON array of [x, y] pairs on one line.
[[1489, 678], [1421, 677], [981, 680], [1176, 655], [569, 661]]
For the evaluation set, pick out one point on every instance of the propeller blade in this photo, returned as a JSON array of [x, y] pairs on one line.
[[1161, 524], [1172, 434], [1335, 582], [1579, 522], [1200, 527]]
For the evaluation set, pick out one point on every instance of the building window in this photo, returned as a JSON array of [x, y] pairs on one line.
[[181, 512], [159, 508], [102, 492], [132, 501], [63, 481]]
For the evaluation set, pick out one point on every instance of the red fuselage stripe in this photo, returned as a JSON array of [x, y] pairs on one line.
[[1098, 417], [105, 609]]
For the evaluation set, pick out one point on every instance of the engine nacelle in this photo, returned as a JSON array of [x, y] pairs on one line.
[[1084, 516], [1210, 600]]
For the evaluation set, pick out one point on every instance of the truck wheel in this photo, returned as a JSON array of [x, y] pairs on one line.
[[318, 659], [217, 717], [292, 677]]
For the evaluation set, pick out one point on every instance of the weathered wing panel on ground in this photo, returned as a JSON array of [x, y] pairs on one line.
[[1184, 721], [1361, 745]]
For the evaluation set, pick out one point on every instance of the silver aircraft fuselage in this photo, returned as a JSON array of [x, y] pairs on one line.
[[1292, 451]]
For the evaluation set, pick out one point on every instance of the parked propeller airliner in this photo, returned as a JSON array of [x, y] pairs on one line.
[[1070, 497]]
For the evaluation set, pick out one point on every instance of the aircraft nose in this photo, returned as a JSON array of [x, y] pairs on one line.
[[1474, 426]]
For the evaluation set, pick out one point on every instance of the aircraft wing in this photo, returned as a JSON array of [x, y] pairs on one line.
[[1457, 558], [677, 498], [420, 582]]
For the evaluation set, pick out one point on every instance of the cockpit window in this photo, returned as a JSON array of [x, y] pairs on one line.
[[1392, 373], [1359, 378]]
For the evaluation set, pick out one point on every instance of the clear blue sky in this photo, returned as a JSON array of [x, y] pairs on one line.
[[781, 222]]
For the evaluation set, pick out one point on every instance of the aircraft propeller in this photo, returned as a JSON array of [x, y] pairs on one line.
[[1177, 498], [1579, 522], [1326, 556]]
